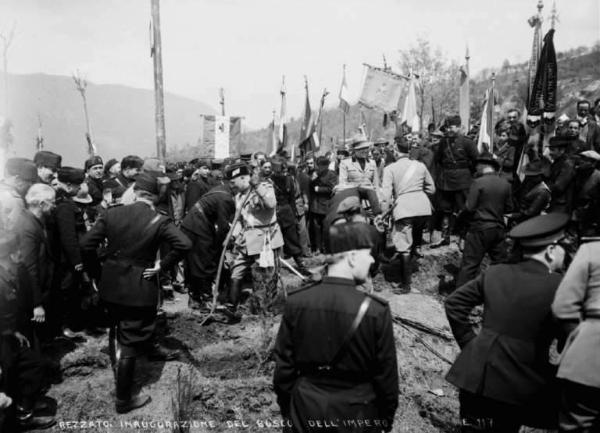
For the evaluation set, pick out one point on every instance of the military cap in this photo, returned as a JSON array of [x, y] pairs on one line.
[[91, 162], [235, 170], [590, 154], [349, 236], [146, 181], [359, 141], [45, 158], [453, 120], [109, 164], [488, 159], [558, 142], [24, 168], [541, 230], [71, 175], [534, 168], [382, 141]]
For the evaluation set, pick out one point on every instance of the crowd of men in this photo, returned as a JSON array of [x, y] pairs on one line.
[[103, 246]]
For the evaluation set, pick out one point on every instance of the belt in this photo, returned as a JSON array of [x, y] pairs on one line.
[[131, 261], [264, 226]]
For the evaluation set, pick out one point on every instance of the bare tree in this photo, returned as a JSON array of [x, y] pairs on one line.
[[7, 39], [81, 86]]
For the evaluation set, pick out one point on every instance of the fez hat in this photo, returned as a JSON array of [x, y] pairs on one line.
[[239, 169], [24, 168], [453, 120], [541, 230], [109, 164], [71, 175], [590, 154], [45, 158], [359, 142], [91, 162], [534, 168], [558, 142], [488, 159], [146, 181], [349, 236]]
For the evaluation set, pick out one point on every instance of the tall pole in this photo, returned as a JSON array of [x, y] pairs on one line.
[[222, 100], [161, 146], [492, 101], [81, 85]]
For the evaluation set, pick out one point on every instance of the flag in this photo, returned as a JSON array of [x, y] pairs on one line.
[[235, 135], [91, 146], [381, 90], [410, 115], [542, 99], [486, 128], [282, 138], [220, 136], [319, 121], [151, 35], [272, 139], [39, 140], [464, 95], [344, 104], [362, 127], [309, 141], [536, 50]]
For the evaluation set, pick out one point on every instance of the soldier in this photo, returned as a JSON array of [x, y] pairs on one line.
[[129, 284], [207, 225], [257, 234], [533, 195], [560, 176], [47, 164], [455, 159], [361, 172], [406, 187], [577, 307], [503, 372], [345, 375], [19, 175], [94, 173], [488, 200]]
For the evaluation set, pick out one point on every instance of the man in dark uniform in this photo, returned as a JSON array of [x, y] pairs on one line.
[[47, 164], [197, 188], [321, 191], [455, 159], [207, 225], [488, 201], [129, 284], [94, 170], [560, 176], [345, 375], [532, 195], [503, 372]]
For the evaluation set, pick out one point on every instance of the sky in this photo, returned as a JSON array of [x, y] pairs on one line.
[[245, 46]]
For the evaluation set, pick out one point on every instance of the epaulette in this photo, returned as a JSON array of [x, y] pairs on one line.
[[304, 287], [377, 298]]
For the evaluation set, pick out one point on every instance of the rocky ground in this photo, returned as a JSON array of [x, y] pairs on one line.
[[223, 380]]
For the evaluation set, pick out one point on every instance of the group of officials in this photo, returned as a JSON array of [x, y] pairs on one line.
[[101, 247]]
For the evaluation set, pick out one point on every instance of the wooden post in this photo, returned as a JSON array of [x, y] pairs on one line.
[[81, 85], [161, 146]]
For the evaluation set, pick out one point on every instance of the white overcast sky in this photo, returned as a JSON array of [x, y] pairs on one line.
[[246, 46]]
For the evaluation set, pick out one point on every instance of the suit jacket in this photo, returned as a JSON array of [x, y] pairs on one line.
[[409, 196], [134, 233], [455, 159], [95, 187], [363, 384], [489, 199], [508, 360], [35, 255], [320, 201], [590, 133], [577, 307], [352, 174]]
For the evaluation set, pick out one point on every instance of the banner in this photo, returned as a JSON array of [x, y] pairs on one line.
[[220, 136], [381, 90], [410, 114], [464, 104]]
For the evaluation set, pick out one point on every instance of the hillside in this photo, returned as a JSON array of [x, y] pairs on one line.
[[122, 117], [578, 77]]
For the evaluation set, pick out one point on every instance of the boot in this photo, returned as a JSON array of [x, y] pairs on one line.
[[157, 352], [229, 310], [112, 349], [301, 266], [445, 233], [26, 420], [406, 272], [125, 402]]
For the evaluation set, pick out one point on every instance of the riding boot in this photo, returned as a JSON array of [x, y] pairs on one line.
[[406, 272], [230, 310], [125, 402], [445, 240], [112, 349]]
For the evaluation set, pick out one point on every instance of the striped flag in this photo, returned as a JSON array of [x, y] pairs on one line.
[[464, 95], [309, 141], [344, 104], [485, 140]]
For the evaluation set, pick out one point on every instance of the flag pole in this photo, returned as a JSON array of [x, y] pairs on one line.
[[159, 115], [493, 126], [344, 111]]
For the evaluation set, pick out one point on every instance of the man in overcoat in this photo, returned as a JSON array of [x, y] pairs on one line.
[[321, 191], [503, 373], [560, 176], [129, 285], [335, 357]]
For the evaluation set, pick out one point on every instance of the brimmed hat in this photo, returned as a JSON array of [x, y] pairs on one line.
[[146, 181], [534, 168], [558, 142], [235, 170], [359, 142], [350, 236], [488, 159], [45, 158], [541, 230], [590, 154], [71, 175], [91, 162]]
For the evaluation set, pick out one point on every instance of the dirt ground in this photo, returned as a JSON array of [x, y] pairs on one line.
[[223, 380]]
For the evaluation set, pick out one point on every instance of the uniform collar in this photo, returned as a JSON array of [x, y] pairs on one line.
[[339, 281]]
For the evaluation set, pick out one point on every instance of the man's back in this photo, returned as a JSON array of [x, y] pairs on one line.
[[489, 199]]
